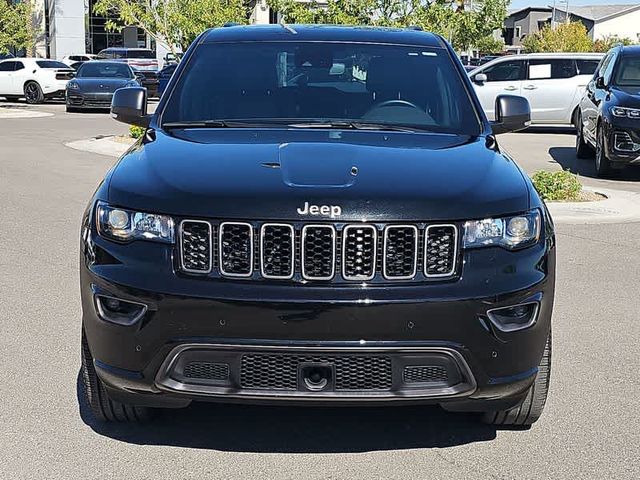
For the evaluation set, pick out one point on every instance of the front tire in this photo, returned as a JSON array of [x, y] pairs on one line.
[[530, 410], [583, 149], [96, 396], [33, 93], [602, 163]]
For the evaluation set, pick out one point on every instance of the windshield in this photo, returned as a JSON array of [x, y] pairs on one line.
[[322, 82], [628, 72], [138, 54], [104, 70], [51, 64]]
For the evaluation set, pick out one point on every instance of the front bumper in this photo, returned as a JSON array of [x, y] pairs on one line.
[[222, 321], [623, 142], [78, 99]]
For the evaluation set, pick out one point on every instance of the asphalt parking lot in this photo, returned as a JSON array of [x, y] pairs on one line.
[[590, 428]]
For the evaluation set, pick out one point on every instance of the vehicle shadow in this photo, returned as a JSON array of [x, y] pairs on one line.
[[281, 429], [585, 167]]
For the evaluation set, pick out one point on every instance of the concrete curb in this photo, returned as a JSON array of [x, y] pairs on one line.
[[101, 145], [620, 206], [21, 112]]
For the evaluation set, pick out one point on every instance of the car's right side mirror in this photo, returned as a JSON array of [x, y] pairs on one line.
[[512, 113], [480, 78], [600, 83], [129, 105]]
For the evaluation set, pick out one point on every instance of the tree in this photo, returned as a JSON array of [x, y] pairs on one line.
[[15, 26], [607, 42], [452, 19], [566, 37], [175, 23], [489, 45]]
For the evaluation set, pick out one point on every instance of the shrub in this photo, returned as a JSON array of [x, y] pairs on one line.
[[135, 131], [566, 37], [562, 185]]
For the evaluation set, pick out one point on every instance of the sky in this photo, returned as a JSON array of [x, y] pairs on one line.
[[543, 3]]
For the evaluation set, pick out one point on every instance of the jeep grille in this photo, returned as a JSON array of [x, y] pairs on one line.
[[337, 253]]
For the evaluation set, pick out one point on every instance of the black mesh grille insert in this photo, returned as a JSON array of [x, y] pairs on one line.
[[207, 370], [440, 250], [195, 238], [359, 252], [400, 251], [236, 249], [425, 374], [277, 250], [318, 252], [276, 371]]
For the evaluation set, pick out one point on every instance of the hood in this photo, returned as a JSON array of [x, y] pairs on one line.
[[626, 96], [102, 85], [270, 174]]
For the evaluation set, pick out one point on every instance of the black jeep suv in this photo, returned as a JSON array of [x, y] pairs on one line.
[[608, 120], [317, 215]]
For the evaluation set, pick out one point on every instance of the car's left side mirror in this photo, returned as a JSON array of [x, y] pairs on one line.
[[600, 83], [512, 114], [480, 78], [129, 105]]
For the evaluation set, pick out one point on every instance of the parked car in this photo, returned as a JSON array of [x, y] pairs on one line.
[[75, 58], [141, 60], [317, 214], [35, 79], [95, 82], [553, 83], [164, 76], [608, 119]]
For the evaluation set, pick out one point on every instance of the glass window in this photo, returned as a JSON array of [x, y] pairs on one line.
[[320, 82], [558, 68], [140, 54], [505, 71], [587, 67], [628, 72], [19, 66], [50, 64], [104, 70], [7, 66]]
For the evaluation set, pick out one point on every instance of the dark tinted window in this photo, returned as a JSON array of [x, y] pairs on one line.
[[628, 71], [587, 67], [104, 70], [140, 54], [19, 66], [292, 81], [505, 71], [540, 69], [50, 64], [7, 66]]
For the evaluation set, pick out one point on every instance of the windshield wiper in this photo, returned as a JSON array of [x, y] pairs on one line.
[[198, 124], [356, 126]]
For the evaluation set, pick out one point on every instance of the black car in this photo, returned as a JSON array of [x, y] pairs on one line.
[[164, 76], [317, 214], [142, 60], [608, 120], [94, 84]]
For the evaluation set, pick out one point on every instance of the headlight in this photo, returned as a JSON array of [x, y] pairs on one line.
[[509, 232], [126, 225], [73, 85], [625, 112]]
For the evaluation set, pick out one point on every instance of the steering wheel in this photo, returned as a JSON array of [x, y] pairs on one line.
[[398, 103]]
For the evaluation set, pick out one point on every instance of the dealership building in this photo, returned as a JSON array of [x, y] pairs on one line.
[[66, 27]]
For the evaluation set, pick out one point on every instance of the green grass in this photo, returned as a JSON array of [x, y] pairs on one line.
[[557, 186]]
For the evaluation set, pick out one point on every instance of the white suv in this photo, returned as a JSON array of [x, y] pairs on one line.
[[33, 78], [552, 82]]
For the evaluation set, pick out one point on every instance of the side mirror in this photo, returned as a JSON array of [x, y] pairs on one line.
[[512, 114], [480, 78], [600, 83], [129, 105]]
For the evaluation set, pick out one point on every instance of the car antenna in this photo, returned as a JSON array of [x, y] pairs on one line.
[[288, 28]]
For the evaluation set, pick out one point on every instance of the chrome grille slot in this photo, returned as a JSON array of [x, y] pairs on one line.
[[441, 247], [318, 252], [236, 249], [195, 241], [400, 261], [277, 250], [359, 252]]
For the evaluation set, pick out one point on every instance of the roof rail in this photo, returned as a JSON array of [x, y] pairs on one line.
[[231, 24], [415, 27]]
